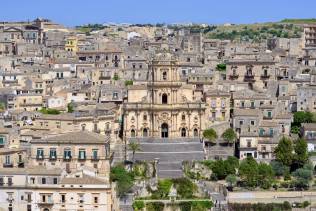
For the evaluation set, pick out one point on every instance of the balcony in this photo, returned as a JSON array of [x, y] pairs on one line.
[[233, 77], [267, 117], [249, 78], [265, 135], [46, 203], [21, 164], [52, 158], [7, 165], [82, 158], [67, 158], [104, 77], [264, 77], [95, 158], [39, 157]]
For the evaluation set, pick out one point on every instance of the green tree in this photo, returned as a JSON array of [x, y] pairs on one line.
[[221, 67], [231, 180], [278, 168], [284, 151], [70, 108], [134, 147], [265, 175], [301, 154], [248, 172], [123, 179], [303, 117], [210, 134], [302, 177], [229, 135]]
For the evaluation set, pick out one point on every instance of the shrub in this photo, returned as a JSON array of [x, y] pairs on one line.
[[49, 111], [138, 205], [185, 188], [123, 178], [129, 83]]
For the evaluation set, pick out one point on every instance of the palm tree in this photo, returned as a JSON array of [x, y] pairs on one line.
[[134, 147]]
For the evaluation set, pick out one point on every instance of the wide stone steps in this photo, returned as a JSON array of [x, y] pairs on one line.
[[170, 154]]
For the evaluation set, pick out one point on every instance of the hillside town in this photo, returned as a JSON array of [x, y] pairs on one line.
[[156, 117]]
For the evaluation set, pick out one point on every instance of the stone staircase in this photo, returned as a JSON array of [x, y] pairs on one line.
[[170, 154]]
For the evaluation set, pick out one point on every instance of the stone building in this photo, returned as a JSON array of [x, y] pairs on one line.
[[163, 107]]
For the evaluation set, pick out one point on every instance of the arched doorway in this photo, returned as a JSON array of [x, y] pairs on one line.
[[164, 99], [195, 132], [145, 132], [164, 130], [183, 132], [132, 133]]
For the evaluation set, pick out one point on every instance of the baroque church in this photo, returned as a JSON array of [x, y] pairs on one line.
[[165, 106]]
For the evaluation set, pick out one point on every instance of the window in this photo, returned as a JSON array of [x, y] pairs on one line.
[[145, 117], [82, 154], [81, 198], [241, 122], [252, 122], [1, 140], [7, 160], [183, 132], [183, 117], [67, 153], [252, 104], [271, 131], [115, 95], [164, 98], [1, 181], [164, 75], [40, 153], [95, 199], [55, 180], [248, 143], [213, 115], [94, 153], [43, 180], [269, 114], [52, 153], [63, 198], [133, 133]]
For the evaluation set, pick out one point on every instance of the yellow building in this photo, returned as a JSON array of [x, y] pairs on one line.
[[71, 44]]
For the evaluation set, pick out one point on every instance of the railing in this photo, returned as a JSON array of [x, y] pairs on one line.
[[233, 76], [249, 77], [7, 165], [265, 76]]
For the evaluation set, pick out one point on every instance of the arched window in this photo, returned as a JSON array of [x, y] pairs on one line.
[[132, 133], [107, 126], [195, 132], [83, 127], [164, 75], [164, 99], [164, 130], [145, 132], [183, 117], [183, 132]]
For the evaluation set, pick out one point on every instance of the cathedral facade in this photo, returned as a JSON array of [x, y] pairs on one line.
[[164, 107]]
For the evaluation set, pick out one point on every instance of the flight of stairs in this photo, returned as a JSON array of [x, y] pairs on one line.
[[170, 154]]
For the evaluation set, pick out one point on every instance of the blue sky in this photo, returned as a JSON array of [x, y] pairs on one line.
[[75, 12]]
